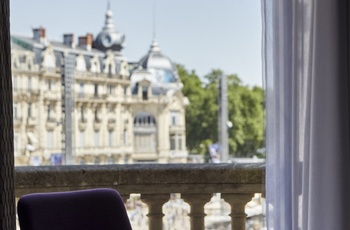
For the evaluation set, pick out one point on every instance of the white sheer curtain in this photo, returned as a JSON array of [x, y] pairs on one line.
[[306, 68]]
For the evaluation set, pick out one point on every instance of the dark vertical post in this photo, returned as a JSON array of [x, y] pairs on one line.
[[7, 190]]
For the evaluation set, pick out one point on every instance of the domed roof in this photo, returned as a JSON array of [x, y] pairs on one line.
[[109, 38], [159, 65]]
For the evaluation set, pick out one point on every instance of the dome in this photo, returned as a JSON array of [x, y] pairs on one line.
[[159, 65], [109, 38]]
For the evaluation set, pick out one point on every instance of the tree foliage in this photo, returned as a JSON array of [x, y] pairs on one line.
[[246, 112]]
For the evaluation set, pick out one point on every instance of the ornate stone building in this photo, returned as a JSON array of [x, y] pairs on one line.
[[122, 112]]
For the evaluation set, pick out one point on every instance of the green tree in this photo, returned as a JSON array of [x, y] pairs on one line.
[[245, 107], [194, 91]]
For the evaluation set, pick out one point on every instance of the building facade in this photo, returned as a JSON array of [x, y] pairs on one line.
[[121, 112]]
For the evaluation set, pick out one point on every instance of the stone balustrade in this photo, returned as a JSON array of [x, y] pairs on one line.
[[196, 183]]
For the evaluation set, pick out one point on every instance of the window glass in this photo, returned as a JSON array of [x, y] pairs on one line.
[[29, 84], [50, 141], [82, 139], [110, 138], [97, 139], [172, 142]]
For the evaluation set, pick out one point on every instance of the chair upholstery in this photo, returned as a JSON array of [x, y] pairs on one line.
[[94, 209]]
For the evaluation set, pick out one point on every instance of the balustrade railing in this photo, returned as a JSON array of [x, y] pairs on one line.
[[196, 183]]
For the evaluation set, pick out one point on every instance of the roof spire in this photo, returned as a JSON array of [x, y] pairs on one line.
[[154, 22], [109, 24]]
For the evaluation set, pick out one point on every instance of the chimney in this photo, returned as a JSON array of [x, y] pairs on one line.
[[39, 34], [68, 39], [86, 41]]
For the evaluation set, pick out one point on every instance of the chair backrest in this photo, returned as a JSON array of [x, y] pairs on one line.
[[93, 209]]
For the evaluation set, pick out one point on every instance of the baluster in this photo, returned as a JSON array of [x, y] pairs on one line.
[[197, 214], [237, 202], [155, 214]]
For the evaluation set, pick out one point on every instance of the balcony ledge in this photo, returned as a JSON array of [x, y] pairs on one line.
[[144, 178]]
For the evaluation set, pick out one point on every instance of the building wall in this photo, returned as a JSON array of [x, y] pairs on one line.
[[103, 119]]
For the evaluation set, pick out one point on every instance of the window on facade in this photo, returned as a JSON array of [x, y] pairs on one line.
[[174, 117], [117, 67], [81, 90], [110, 70], [48, 112], [144, 120], [29, 84], [49, 84], [49, 143], [110, 89], [125, 90], [82, 118], [97, 139], [144, 142], [125, 137], [110, 138], [97, 161], [82, 139], [96, 115], [144, 93], [29, 110], [96, 90], [172, 142], [179, 146]]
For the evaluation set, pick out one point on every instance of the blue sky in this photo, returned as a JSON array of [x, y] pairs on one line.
[[201, 35]]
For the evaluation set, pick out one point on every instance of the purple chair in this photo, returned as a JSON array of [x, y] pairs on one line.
[[93, 209]]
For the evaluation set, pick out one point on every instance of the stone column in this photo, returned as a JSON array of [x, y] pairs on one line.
[[155, 214], [197, 202], [7, 188], [237, 202]]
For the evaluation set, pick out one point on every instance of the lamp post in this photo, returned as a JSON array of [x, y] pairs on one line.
[[68, 68]]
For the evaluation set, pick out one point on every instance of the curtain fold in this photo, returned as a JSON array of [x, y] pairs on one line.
[[306, 71], [7, 184]]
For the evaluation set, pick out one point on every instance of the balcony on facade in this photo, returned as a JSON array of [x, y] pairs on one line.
[[82, 124], [100, 77], [31, 122], [52, 123], [52, 95], [97, 124], [153, 99], [176, 128], [20, 94], [54, 72], [88, 97], [196, 184], [111, 123]]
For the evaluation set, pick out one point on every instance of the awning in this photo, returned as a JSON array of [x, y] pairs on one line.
[[32, 138]]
